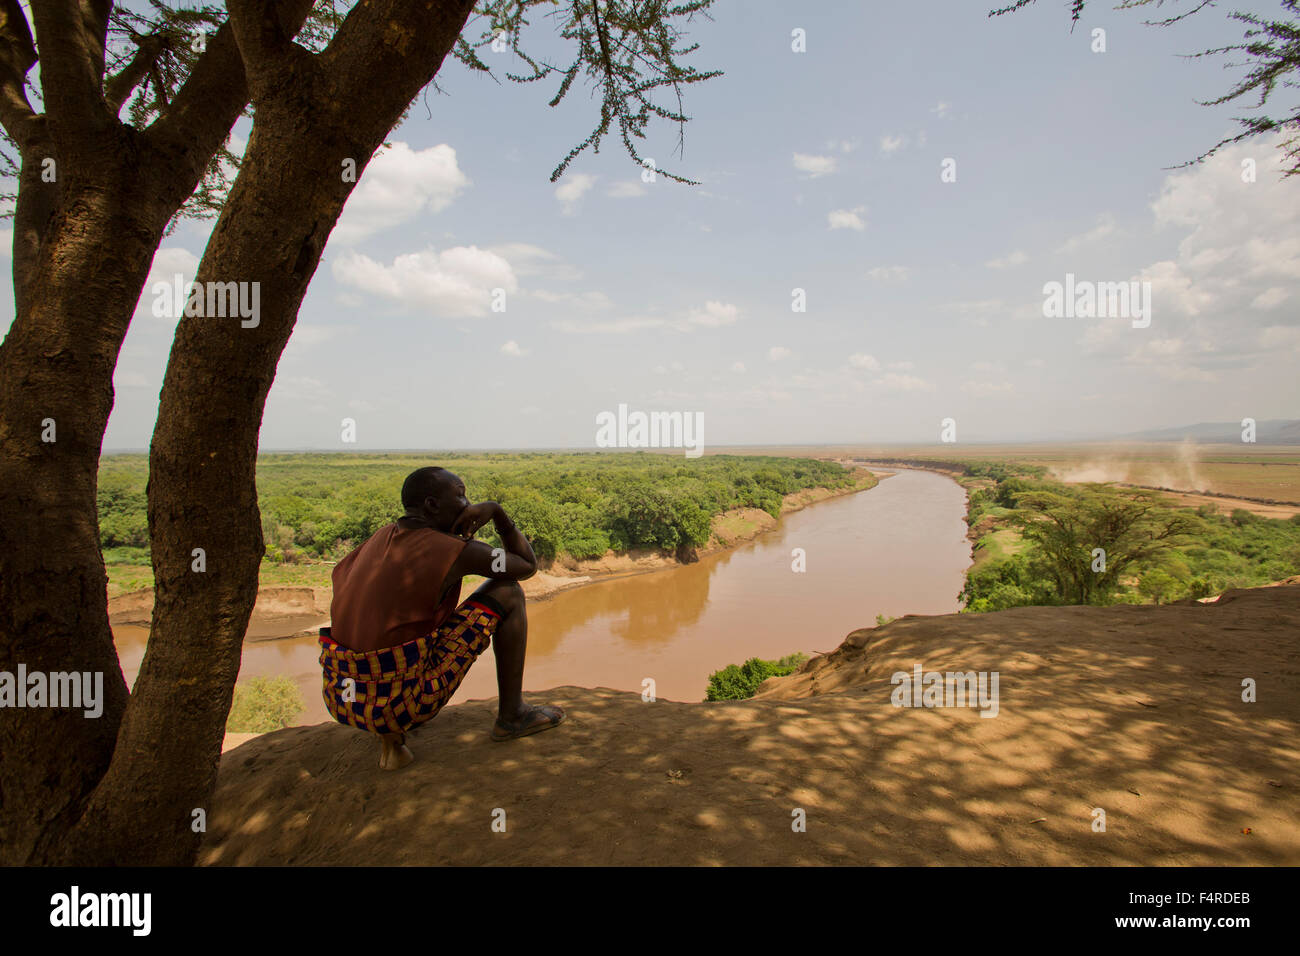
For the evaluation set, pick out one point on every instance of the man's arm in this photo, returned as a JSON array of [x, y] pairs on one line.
[[515, 561]]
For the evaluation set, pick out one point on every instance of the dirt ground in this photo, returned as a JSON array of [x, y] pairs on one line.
[[1136, 711]]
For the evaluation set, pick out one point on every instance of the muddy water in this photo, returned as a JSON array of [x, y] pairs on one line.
[[899, 548]]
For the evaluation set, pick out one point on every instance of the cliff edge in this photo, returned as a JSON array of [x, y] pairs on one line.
[[1134, 711]]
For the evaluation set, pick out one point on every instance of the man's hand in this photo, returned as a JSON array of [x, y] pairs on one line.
[[475, 517], [478, 558]]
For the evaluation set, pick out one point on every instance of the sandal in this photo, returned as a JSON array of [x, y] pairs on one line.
[[534, 721]]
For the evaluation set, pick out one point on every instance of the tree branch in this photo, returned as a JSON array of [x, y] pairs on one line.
[[119, 87], [215, 93], [17, 57], [72, 34], [261, 34]]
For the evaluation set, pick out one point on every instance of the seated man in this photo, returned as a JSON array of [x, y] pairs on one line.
[[400, 642]]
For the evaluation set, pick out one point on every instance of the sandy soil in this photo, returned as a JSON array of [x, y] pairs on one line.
[[1226, 505], [284, 611], [1136, 710]]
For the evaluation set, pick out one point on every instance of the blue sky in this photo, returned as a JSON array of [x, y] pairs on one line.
[[821, 171]]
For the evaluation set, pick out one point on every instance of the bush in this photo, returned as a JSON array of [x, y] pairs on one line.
[[264, 704], [740, 683], [1241, 517], [586, 545]]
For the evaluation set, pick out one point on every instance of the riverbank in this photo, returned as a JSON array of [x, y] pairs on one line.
[[290, 611], [1095, 713]]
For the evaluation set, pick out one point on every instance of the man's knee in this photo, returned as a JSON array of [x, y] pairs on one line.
[[508, 594]]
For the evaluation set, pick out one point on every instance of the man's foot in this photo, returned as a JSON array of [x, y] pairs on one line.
[[393, 752], [531, 720]]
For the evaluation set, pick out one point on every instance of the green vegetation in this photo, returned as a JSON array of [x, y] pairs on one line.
[[740, 683], [264, 704], [883, 619], [1036, 541], [317, 507]]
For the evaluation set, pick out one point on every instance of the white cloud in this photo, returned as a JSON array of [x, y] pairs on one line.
[[902, 366], [627, 189], [1009, 261], [988, 388], [862, 360], [711, 315], [1282, 338], [1105, 227], [847, 218], [512, 348], [777, 352], [814, 166], [527, 259], [889, 273], [572, 189], [843, 145], [398, 185], [309, 335], [456, 282], [608, 326], [714, 313], [593, 301], [168, 263], [1239, 256], [892, 144], [903, 383], [1270, 298], [302, 388]]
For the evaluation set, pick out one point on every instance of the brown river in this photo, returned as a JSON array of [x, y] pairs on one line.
[[899, 548]]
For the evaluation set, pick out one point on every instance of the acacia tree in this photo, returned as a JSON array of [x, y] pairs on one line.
[[1273, 47], [1066, 528], [95, 194]]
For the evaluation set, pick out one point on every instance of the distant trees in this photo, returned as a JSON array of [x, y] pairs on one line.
[[316, 507]]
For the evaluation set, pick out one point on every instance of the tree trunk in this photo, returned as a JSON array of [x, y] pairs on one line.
[[83, 248], [312, 113], [56, 380]]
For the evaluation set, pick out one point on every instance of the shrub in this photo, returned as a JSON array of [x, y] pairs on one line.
[[586, 545], [264, 704], [740, 683]]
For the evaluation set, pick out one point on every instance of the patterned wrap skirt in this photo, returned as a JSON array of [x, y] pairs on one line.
[[396, 688]]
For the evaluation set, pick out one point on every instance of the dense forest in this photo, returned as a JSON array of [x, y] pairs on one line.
[[319, 506]]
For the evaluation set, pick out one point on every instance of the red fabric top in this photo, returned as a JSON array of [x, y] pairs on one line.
[[387, 591]]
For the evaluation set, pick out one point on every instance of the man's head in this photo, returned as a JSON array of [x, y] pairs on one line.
[[434, 495]]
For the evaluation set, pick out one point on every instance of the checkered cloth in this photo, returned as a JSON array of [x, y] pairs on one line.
[[394, 689]]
